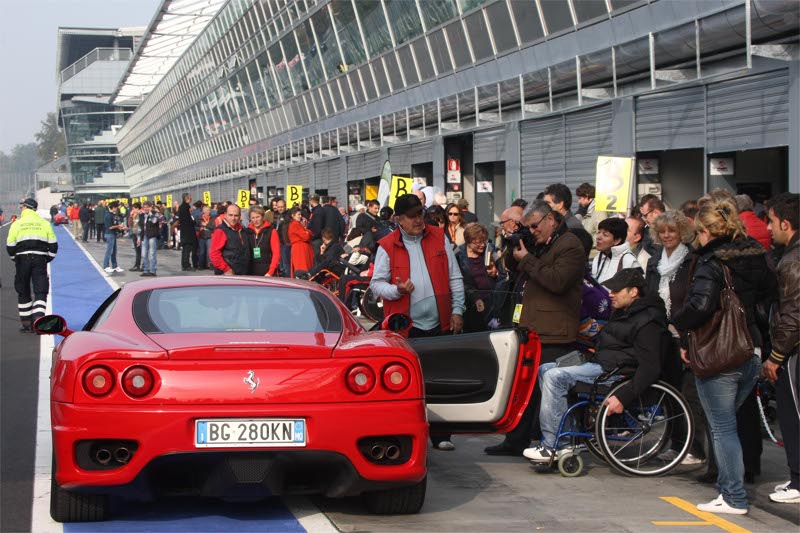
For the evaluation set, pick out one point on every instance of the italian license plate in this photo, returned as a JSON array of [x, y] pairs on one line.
[[255, 433]]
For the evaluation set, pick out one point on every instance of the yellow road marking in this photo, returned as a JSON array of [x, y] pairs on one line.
[[708, 519], [683, 523]]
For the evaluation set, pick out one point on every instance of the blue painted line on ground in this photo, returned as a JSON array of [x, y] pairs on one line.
[[77, 289]]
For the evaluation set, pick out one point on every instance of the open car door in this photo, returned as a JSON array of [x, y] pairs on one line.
[[478, 382]]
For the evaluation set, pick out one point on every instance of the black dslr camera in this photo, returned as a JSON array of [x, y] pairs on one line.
[[521, 234]]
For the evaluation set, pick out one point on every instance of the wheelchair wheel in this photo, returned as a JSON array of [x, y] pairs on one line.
[[594, 448], [570, 465], [633, 441], [371, 306]]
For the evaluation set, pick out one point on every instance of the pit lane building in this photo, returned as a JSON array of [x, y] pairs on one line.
[[519, 93]]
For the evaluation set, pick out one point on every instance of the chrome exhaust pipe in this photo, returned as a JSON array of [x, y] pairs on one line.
[[122, 454], [102, 456], [377, 452], [392, 452]]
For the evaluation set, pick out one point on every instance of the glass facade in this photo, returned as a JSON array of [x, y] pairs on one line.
[[263, 68]]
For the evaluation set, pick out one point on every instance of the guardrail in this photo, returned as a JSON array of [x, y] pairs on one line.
[[98, 54]]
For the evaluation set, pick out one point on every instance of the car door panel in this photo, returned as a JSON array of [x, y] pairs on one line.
[[478, 382]]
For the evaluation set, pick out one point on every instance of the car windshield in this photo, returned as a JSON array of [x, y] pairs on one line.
[[201, 309]]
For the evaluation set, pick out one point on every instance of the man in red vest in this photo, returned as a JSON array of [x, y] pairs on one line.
[[417, 274]]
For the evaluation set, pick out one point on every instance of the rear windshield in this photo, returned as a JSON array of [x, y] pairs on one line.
[[230, 309]]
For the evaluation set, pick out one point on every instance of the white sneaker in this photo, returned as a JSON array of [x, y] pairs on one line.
[[785, 495], [718, 506], [446, 446], [782, 486], [540, 454], [118, 269], [692, 460], [108, 270], [668, 456]]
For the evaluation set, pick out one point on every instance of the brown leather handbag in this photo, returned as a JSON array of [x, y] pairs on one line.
[[723, 342]]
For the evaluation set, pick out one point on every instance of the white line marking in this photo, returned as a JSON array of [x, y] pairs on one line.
[[40, 511], [311, 518]]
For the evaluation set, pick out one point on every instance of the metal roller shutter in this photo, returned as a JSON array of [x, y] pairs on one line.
[[489, 145], [355, 167], [373, 164], [747, 113], [400, 158], [670, 120], [588, 135], [300, 175], [336, 183], [227, 191], [276, 178], [321, 175], [422, 152], [541, 155]]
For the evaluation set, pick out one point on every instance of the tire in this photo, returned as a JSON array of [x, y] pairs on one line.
[[570, 465], [68, 506], [632, 442], [403, 500]]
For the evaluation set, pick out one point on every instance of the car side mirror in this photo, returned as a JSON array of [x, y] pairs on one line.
[[52, 325], [397, 322]]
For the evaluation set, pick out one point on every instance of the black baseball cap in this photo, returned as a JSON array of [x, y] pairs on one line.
[[30, 203], [625, 279], [406, 203]]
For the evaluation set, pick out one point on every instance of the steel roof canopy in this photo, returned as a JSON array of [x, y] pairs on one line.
[[174, 28]]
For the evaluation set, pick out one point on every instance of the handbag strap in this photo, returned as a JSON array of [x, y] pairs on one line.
[[726, 274]]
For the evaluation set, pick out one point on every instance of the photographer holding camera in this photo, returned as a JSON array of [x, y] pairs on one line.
[[554, 261]]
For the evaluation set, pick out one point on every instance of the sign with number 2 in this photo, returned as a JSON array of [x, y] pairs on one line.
[[613, 183]]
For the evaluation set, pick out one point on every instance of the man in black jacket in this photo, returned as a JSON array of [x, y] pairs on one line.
[[331, 218], [633, 339], [84, 216], [188, 236]]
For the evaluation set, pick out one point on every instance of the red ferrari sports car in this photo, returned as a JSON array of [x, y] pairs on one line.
[[201, 385]]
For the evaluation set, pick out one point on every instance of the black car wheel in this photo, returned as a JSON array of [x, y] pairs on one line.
[[404, 500], [68, 506]]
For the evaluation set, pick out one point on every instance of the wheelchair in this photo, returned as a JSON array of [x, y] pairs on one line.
[[632, 442]]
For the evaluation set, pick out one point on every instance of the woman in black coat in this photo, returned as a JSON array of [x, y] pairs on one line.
[[724, 244]]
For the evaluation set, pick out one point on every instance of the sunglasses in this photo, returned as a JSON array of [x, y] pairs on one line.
[[453, 214], [534, 225]]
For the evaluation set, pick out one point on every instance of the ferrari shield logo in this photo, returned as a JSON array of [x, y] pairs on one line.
[[251, 381]]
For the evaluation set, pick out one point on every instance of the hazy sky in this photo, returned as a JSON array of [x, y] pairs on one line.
[[28, 29]]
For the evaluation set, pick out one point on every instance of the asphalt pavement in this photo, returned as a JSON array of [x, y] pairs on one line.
[[467, 490]]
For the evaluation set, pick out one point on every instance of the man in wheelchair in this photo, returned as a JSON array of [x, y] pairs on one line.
[[632, 339]]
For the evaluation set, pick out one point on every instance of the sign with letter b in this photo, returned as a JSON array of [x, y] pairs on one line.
[[243, 198], [613, 183], [294, 195], [400, 186], [207, 197]]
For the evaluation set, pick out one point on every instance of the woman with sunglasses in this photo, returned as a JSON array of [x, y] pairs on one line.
[[455, 225]]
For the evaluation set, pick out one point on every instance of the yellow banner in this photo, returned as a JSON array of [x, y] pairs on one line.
[[157, 198], [207, 197], [613, 183], [243, 198], [294, 195], [169, 200], [143, 199], [400, 186]]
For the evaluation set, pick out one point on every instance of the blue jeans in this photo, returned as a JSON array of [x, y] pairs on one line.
[[149, 248], [111, 251], [203, 247], [721, 396], [555, 384]]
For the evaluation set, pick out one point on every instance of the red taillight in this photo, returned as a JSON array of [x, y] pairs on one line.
[[396, 377], [98, 381], [137, 381], [360, 379]]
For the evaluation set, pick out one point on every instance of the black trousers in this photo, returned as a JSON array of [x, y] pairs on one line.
[[85, 235], [528, 428], [188, 253], [787, 389], [748, 426], [101, 232], [31, 270], [137, 248]]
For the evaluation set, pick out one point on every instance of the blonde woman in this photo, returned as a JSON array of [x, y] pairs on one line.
[[724, 243]]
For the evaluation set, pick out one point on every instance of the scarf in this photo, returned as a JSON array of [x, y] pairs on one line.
[[667, 268]]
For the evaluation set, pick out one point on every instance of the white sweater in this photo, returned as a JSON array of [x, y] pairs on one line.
[[604, 267]]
